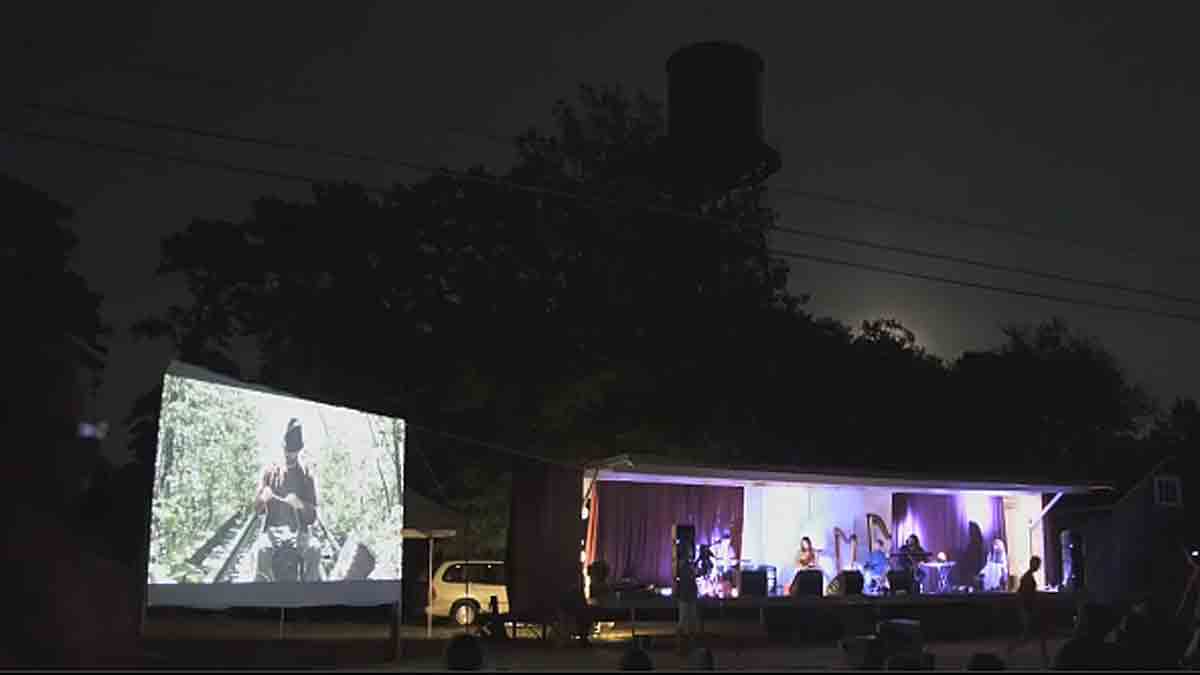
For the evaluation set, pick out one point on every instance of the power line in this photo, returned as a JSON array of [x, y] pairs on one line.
[[788, 254], [1193, 318], [415, 166], [1128, 253], [494, 446], [1107, 285], [167, 157], [274, 93]]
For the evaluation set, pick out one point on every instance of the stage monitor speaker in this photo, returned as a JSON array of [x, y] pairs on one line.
[[754, 583], [808, 583], [1074, 559], [851, 582], [901, 580], [683, 549]]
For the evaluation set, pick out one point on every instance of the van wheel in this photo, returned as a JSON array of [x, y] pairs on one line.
[[464, 612]]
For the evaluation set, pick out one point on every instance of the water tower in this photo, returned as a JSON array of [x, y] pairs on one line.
[[714, 137]]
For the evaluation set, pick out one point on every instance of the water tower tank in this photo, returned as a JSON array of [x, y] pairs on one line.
[[714, 88], [714, 112]]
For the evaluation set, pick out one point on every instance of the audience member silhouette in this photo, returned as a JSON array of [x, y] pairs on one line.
[[636, 658], [1087, 648], [985, 661], [464, 652], [1033, 618], [702, 659]]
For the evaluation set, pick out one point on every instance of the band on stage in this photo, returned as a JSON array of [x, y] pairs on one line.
[[910, 569]]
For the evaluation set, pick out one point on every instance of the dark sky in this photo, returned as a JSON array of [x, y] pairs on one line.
[[1078, 120]]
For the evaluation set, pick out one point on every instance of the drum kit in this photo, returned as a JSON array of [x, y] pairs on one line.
[[715, 575]]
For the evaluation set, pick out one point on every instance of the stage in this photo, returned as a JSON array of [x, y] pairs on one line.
[[948, 616], [755, 530]]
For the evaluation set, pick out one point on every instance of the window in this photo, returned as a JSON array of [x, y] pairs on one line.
[[1167, 491], [454, 575], [487, 573]]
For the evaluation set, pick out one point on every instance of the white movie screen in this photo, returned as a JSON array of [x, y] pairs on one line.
[[263, 499]]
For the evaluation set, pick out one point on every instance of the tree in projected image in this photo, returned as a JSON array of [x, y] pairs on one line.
[[207, 458], [361, 492]]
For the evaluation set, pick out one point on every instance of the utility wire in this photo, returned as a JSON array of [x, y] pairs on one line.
[[159, 72], [1107, 285], [494, 446], [224, 166], [1127, 254], [310, 148], [1193, 318], [167, 157], [274, 92]]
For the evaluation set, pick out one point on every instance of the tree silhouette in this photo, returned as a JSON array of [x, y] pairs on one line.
[[41, 287], [1047, 398]]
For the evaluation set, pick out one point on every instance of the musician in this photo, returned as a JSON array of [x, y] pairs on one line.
[[704, 561], [723, 551], [995, 572], [911, 555], [806, 557]]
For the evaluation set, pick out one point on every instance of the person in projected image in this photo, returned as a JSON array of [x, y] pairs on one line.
[[287, 498]]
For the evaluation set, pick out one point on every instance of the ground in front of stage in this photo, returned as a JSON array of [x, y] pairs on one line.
[[736, 645]]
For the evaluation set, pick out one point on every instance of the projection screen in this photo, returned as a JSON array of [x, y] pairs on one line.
[[266, 500]]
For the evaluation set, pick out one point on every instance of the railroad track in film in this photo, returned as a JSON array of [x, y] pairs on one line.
[[227, 556]]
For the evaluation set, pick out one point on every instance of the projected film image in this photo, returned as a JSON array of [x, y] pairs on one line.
[[255, 487]]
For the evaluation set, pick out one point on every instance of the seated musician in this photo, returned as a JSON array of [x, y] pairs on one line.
[[806, 557]]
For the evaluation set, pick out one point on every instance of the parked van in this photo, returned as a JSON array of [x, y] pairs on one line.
[[462, 589]]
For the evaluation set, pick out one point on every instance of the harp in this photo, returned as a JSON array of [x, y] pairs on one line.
[[835, 586], [875, 522]]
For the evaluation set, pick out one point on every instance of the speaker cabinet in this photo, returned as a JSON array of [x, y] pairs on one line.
[[808, 584], [851, 582], [901, 580], [754, 583]]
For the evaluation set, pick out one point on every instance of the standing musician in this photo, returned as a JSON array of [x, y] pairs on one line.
[[911, 556]]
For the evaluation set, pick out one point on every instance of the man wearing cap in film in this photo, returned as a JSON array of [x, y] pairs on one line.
[[287, 497]]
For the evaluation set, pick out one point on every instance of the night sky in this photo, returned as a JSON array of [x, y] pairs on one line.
[[1077, 121]]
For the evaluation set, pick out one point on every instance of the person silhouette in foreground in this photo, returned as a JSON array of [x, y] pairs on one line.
[[1033, 621], [287, 498], [65, 605], [1088, 649], [686, 598]]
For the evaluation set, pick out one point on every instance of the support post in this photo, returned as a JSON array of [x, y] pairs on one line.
[[1037, 521], [395, 628], [429, 594]]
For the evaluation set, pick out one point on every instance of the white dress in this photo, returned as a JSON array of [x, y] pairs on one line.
[[995, 572]]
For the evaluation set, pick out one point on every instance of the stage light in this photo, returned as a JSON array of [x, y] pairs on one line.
[[941, 556], [665, 592], [733, 592], [93, 431]]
